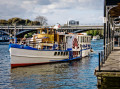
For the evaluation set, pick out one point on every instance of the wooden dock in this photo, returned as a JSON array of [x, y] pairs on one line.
[[110, 69]]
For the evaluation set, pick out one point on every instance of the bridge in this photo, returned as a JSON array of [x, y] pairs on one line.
[[22, 29], [62, 27], [19, 30]]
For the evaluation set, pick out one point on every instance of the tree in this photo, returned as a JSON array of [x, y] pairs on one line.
[[42, 20], [3, 22], [10, 21], [36, 23], [16, 20], [27, 21]]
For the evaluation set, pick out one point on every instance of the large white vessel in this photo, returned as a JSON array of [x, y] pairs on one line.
[[48, 46]]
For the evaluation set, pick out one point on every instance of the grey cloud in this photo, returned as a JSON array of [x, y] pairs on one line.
[[43, 2], [7, 11], [31, 8]]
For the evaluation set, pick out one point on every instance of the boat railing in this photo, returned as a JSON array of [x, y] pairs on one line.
[[47, 45]]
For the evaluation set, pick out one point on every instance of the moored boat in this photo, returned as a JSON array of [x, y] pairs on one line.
[[97, 37], [48, 46]]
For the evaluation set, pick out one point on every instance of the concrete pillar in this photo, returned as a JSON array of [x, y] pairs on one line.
[[99, 82], [104, 29]]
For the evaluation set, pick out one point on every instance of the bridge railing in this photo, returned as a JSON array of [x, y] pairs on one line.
[[62, 27]]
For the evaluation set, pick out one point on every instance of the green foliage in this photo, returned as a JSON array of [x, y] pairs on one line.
[[29, 35], [18, 21], [3, 22], [95, 32], [27, 21]]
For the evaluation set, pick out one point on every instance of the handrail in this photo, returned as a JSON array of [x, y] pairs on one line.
[[101, 60]]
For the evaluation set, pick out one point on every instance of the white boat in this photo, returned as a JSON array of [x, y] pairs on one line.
[[97, 37], [52, 47]]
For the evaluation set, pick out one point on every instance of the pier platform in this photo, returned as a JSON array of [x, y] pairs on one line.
[[109, 73]]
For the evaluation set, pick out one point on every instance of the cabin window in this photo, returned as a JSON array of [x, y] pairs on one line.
[[66, 53], [87, 39], [81, 39], [84, 39], [58, 53], [61, 53], [55, 53], [79, 52]]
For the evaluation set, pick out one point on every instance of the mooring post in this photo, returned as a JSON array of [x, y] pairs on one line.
[[99, 63]]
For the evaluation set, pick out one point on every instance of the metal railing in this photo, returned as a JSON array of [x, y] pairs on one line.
[[101, 60], [43, 45]]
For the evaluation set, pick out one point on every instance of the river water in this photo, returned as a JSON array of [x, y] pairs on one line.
[[69, 75]]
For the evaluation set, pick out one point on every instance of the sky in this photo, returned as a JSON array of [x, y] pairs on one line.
[[56, 11]]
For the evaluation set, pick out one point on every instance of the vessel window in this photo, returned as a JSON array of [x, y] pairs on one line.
[[66, 53], [58, 53], [78, 38], [87, 39], [90, 39], [61, 53], [83, 40], [79, 52], [55, 53]]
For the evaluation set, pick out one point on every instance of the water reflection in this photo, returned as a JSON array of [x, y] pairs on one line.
[[59, 75]]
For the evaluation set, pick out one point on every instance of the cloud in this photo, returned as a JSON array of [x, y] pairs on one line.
[[54, 10]]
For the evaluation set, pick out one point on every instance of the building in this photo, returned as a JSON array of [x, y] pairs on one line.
[[72, 22]]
